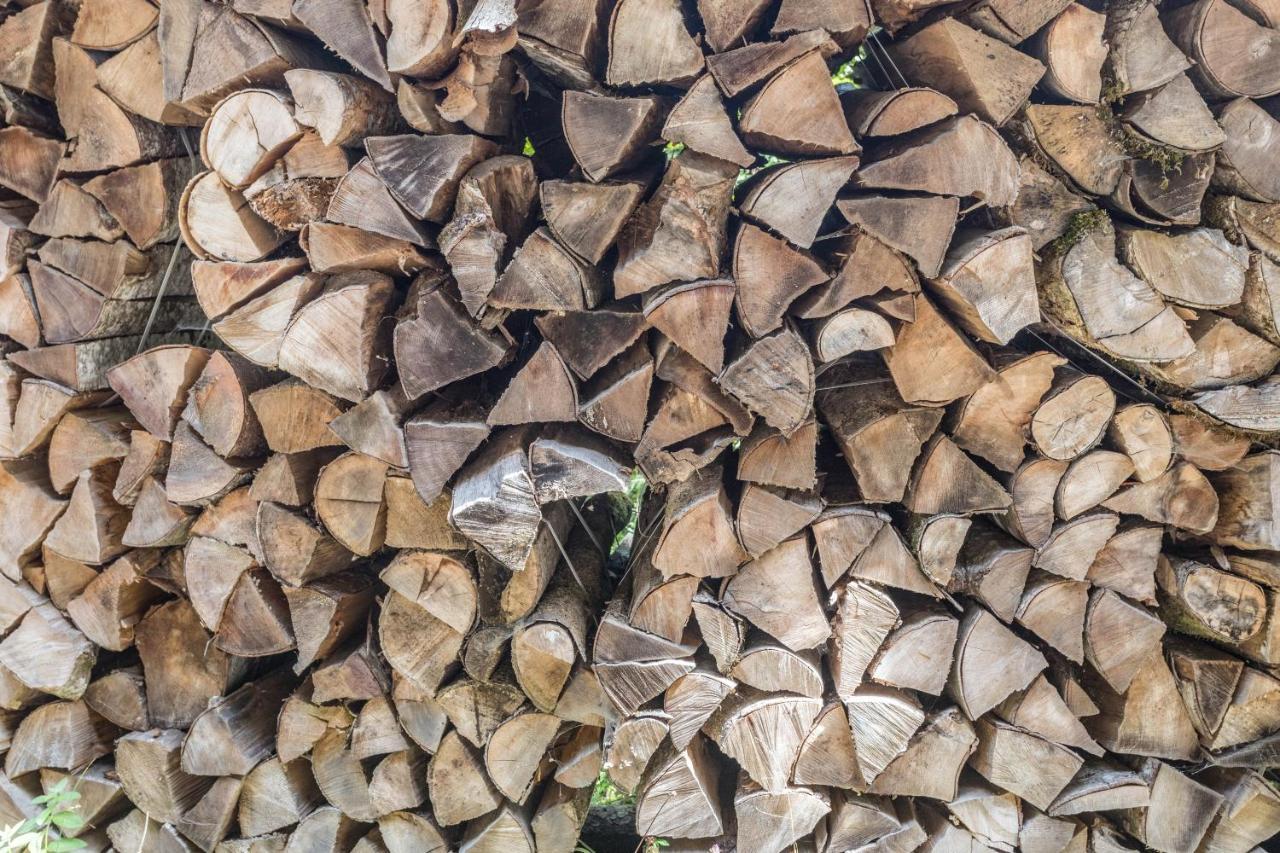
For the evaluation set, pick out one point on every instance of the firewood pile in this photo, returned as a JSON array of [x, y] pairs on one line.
[[940, 338]]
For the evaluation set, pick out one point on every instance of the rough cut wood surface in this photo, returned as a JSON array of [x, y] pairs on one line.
[[850, 426]]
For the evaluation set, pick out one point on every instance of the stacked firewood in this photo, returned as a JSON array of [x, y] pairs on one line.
[[335, 333]]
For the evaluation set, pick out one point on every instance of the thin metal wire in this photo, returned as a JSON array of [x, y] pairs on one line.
[[1146, 395], [875, 37], [587, 528], [155, 304], [563, 553]]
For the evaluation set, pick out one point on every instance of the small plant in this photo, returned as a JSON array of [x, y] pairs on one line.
[[606, 793], [1082, 224], [42, 833], [635, 496]]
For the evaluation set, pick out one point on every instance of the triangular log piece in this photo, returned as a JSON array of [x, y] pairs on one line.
[[649, 45], [982, 75], [608, 135], [798, 113], [423, 172]]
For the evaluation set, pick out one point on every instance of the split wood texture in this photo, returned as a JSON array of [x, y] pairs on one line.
[[339, 337]]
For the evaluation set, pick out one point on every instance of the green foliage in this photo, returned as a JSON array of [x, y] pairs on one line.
[[1083, 223], [848, 74], [635, 496], [42, 833], [672, 150], [528, 147], [606, 793]]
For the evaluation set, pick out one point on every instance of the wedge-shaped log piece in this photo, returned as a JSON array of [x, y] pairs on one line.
[[546, 276], [238, 732], [1041, 710], [699, 122], [947, 480], [1073, 546], [1141, 57], [1022, 763], [115, 600], [827, 756], [148, 766], [794, 198], [698, 510], [1119, 637], [573, 464], [423, 172], [736, 728], [1250, 133], [879, 435], [783, 574], [931, 363], [1177, 814], [649, 45], [892, 113], [1079, 142], [1148, 718], [1127, 563], [988, 283], [1175, 116], [295, 550], [1053, 609], [770, 275], [331, 342], [929, 161], [1102, 303], [863, 618], [797, 113], [1245, 516], [1233, 52], [742, 68], [1198, 268], [361, 200], [586, 217], [991, 662], [679, 794], [154, 385], [494, 504], [759, 826], [32, 506], [1144, 434], [92, 528], [277, 795], [992, 568], [1181, 497], [490, 217], [995, 421], [883, 722], [981, 74], [1073, 416], [679, 233], [1248, 407], [439, 344], [607, 134], [918, 226], [46, 653], [1073, 52], [256, 328], [695, 316], [774, 377], [1091, 479]]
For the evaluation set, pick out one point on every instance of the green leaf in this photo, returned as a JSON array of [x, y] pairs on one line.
[[65, 845], [68, 821]]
